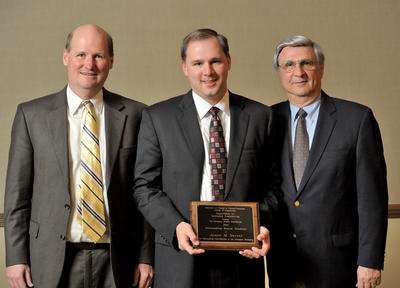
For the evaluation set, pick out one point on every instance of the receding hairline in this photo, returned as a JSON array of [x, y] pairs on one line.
[[95, 27]]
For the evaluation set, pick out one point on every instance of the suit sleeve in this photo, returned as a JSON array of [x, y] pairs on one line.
[[18, 192], [154, 204], [372, 194], [146, 252], [272, 196]]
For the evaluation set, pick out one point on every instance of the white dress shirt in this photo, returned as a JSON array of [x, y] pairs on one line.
[[204, 117], [75, 125]]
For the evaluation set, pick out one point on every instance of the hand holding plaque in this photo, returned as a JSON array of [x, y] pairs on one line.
[[226, 225]]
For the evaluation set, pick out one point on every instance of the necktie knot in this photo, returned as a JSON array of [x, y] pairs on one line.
[[301, 113], [90, 114], [214, 111], [88, 105]]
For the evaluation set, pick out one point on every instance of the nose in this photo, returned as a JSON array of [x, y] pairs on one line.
[[299, 70], [208, 69], [89, 62]]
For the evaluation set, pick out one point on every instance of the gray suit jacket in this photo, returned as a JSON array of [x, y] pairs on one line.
[[168, 176], [37, 198], [341, 219]]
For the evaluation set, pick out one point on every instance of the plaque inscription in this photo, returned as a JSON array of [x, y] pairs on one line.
[[225, 225]]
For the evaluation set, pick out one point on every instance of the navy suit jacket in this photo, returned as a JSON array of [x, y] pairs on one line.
[[340, 220]]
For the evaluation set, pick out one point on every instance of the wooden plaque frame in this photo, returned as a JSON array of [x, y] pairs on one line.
[[225, 225]]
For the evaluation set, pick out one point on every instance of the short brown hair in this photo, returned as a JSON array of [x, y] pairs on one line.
[[201, 34]]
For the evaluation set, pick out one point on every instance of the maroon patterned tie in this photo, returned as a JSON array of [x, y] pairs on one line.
[[218, 159]]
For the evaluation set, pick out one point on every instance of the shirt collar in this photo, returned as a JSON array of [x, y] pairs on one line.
[[202, 106], [75, 102], [311, 109]]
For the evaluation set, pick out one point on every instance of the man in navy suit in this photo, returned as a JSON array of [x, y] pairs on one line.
[[333, 219]]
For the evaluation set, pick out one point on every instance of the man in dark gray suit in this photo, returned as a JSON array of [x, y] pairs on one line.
[[174, 163], [333, 222], [46, 212]]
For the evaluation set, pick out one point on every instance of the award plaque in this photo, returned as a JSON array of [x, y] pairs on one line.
[[225, 225]]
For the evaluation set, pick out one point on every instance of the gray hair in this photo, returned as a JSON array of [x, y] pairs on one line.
[[298, 41], [202, 34]]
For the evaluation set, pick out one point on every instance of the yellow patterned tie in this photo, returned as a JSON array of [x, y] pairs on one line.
[[91, 205]]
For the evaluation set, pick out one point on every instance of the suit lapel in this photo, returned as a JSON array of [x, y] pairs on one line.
[[187, 119], [58, 131], [287, 156], [239, 123], [325, 126], [114, 125]]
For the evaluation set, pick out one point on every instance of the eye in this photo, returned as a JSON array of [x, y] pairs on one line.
[[289, 64], [98, 57], [307, 63], [80, 55]]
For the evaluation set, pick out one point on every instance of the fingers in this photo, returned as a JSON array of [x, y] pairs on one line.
[[187, 239], [146, 276], [368, 277], [28, 276], [135, 276], [145, 282], [143, 275], [19, 276], [256, 252]]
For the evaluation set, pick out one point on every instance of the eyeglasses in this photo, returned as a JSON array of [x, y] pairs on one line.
[[305, 64]]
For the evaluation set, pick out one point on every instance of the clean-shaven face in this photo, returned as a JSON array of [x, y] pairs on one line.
[[206, 67], [88, 61], [300, 83]]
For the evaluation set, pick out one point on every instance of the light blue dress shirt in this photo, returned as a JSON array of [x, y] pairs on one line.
[[311, 119]]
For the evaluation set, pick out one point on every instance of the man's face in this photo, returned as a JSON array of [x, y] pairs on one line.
[[88, 61], [302, 84], [206, 67]]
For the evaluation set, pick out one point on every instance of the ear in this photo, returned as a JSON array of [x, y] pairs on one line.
[[322, 70], [229, 62], [184, 68], [111, 62], [65, 57]]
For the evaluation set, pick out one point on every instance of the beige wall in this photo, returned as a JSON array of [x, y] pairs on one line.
[[360, 40]]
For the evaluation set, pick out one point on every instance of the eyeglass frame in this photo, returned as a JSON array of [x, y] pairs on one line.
[[303, 64]]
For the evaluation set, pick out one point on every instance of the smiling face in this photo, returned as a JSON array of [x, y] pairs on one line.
[[301, 86], [206, 67], [88, 61]]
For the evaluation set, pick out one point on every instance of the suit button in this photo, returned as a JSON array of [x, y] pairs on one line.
[[67, 207], [62, 237], [297, 203]]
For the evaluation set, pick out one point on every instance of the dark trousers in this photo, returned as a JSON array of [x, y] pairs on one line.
[[87, 266]]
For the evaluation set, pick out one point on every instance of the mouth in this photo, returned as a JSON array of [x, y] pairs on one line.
[[209, 82], [300, 82], [88, 74]]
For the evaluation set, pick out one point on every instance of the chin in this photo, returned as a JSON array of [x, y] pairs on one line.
[[302, 93]]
